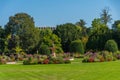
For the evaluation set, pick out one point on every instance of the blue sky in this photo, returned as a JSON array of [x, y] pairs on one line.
[[54, 12]]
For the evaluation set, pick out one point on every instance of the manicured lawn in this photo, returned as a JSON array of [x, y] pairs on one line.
[[74, 71]]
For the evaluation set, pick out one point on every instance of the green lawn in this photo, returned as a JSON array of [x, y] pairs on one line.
[[74, 71]]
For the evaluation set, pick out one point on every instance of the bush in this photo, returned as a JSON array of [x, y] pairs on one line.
[[91, 59], [77, 47], [117, 55], [2, 60], [111, 46], [30, 60], [44, 49], [57, 60], [26, 62], [67, 61], [108, 56], [60, 60], [45, 61], [99, 56], [85, 59]]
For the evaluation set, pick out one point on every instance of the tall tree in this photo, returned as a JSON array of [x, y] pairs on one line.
[[50, 40], [99, 34], [116, 25], [105, 16], [81, 23], [2, 39], [68, 32], [116, 32], [22, 24]]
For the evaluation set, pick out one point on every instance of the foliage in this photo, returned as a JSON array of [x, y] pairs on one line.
[[81, 23], [2, 60], [22, 25], [44, 49], [67, 32], [2, 39], [36, 59], [111, 46], [20, 34], [105, 16], [99, 34], [51, 40], [18, 50], [101, 56], [67, 61], [77, 47], [30, 60], [116, 25], [2, 45], [116, 32], [57, 60], [108, 56]]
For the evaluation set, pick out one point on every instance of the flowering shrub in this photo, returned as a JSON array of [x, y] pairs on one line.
[[100, 56], [2, 60], [44, 60], [30, 60], [91, 59]]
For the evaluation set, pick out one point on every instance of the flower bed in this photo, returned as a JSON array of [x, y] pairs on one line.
[[101, 56], [30, 60]]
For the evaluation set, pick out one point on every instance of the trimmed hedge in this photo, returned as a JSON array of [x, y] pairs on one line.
[[111, 46], [77, 47]]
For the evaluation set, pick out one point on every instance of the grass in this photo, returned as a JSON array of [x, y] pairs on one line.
[[74, 71]]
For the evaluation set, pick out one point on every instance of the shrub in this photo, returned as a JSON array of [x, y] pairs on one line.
[[77, 47], [57, 60], [45, 61], [26, 62], [108, 56], [12, 57], [117, 54], [19, 57], [36, 59], [60, 60], [30, 60], [44, 49], [2, 60], [111, 46], [67, 61], [101, 58], [85, 59], [91, 59], [40, 61]]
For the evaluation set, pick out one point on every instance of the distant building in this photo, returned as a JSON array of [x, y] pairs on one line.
[[52, 28]]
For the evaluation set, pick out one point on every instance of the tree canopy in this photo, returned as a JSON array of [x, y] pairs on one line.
[[21, 34], [67, 32], [105, 16], [22, 25]]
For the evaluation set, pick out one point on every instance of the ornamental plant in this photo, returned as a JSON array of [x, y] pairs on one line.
[[111, 46], [77, 47]]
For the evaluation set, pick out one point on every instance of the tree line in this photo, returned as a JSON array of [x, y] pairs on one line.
[[21, 35]]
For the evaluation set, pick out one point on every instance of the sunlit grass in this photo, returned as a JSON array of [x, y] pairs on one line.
[[74, 71]]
